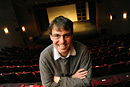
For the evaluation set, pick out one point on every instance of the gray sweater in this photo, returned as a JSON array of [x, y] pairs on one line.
[[65, 67]]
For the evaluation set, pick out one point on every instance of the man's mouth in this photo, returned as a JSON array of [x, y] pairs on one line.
[[61, 45]]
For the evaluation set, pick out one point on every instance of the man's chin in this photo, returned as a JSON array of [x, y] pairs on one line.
[[62, 51]]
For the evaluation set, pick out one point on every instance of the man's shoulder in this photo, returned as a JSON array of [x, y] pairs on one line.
[[79, 44], [48, 49]]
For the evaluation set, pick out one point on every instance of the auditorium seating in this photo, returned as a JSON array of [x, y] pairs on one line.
[[107, 81], [99, 71], [26, 62], [11, 77], [17, 63], [117, 68], [103, 53], [127, 84], [128, 66], [123, 77], [37, 73], [122, 57], [35, 67], [2, 79], [27, 76], [110, 60], [97, 61], [14, 69], [4, 69]]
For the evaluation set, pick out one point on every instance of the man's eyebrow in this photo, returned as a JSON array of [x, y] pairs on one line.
[[63, 34], [67, 34]]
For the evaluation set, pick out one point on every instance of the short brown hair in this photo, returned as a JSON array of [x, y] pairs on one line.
[[61, 22]]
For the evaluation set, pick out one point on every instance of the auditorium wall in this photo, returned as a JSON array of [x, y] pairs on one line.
[[8, 19], [118, 25], [13, 15]]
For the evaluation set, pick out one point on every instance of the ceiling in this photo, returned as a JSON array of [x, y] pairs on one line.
[[50, 3]]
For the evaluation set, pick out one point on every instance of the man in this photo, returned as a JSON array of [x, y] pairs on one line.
[[65, 63]]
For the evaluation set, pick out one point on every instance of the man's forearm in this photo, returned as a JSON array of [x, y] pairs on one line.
[[81, 74], [79, 79]]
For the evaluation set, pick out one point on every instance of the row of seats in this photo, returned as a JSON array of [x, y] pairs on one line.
[[111, 82], [111, 69], [112, 40], [11, 69], [20, 53], [119, 49], [96, 68], [20, 77], [19, 62], [98, 71], [106, 53], [111, 59], [107, 81], [118, 80]]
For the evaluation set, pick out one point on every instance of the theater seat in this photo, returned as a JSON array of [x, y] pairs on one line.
[[122, 57], [103, 53], [96, 61], [111, 85], [27, 76], [123, 77], [11, 77], [35, 67], [17, 63], [14, 69], [127, 84], [99, 71], [35, 61], [8, 63], [108, 60], [37, 73], [113, 51], [26, 69], [117, 68], [128, 66], [2, 63], [4, 70], [124, 49], [106, 81], [2, 79], [26, 62]]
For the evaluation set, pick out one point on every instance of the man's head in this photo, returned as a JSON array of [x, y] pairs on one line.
[[61, 34], [61, 22]]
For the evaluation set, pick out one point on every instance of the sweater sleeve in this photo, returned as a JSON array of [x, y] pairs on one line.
[[85, 63], [45, 73]]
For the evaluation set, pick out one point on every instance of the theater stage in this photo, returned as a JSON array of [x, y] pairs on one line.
[[81, 30]]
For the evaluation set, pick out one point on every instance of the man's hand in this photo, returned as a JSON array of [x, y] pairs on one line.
[[81, 74], [56, 79]]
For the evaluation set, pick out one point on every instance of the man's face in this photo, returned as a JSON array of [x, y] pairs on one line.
[[62, 40]]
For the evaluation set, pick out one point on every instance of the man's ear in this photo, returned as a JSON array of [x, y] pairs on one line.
[[50, 36]]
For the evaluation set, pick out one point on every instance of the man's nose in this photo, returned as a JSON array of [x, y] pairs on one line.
[[62, 39]]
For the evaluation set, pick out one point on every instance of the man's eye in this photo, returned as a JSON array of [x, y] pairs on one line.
[[57, 35], [67, 35]]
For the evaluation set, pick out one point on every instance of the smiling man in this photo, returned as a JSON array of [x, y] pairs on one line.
[[65, 63]]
